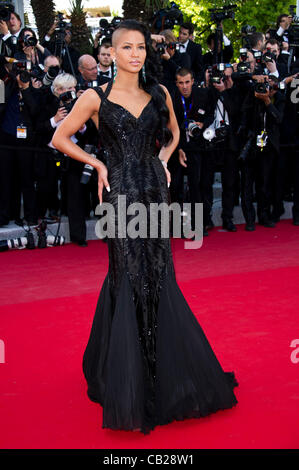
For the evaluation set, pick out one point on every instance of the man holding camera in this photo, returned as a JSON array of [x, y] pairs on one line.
[[16, 162], [9, 31], [58, 41], [221, 143], [190, 104], [262, 114]]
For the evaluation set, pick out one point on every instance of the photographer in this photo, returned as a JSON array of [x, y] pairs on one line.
[[64, 96], [262, 114], [190, 104], [225, 56], [58, 41], [273, 47], [88, 73], [16, 162], [192, 49], [9, 31], [171, 59], [283, 23], [221, 144], [29, 48]]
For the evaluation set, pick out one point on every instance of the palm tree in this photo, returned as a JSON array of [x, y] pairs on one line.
[[81, 36], [44, 12]]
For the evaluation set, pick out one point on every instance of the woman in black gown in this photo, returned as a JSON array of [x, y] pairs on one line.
[[147, 361]]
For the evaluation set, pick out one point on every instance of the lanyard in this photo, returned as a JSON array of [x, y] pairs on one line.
[[185, 110], [185, 116]]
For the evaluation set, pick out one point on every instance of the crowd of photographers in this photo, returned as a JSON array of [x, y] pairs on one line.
[[240, 119]]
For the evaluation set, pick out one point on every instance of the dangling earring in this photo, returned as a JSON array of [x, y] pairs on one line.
[[143, 73], [114, 69]]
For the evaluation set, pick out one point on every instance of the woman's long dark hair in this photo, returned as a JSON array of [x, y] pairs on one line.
[[153, 71]]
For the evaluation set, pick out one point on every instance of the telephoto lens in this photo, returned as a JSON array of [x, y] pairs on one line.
[[55, 241], [88, 169], [18, 243]]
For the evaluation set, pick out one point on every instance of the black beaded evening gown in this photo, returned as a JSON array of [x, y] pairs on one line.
[[147, 361]]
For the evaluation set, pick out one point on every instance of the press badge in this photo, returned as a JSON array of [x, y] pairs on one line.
[[21, 132]]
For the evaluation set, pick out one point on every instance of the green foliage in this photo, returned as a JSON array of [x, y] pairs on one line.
[[259, 13]]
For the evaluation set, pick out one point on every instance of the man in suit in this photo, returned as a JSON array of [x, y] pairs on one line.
[[272, 45], [17, 160], [262, 114], [88, 72], [10, 30], [194, 50], [190, 103], [105, 67]]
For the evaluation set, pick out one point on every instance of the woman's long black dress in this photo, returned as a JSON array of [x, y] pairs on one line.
[[147, 361]]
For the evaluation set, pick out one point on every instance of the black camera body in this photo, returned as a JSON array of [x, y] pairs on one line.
[[192, 128], [268, 57], [216, 73], [243, 67], [166, 18], [107, 29], [248, 29], [294, 28], [29, 41], [261, 87], [67, 100], [62, 25], [5, 11], [24, 69], [224, 13]]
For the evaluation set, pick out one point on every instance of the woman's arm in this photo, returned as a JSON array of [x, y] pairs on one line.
[[167, 150], [86, 107]]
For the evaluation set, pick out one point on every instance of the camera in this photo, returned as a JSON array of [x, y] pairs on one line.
[[166, 18], [191, 127], [67, 100], [224, 13], [52, 73], [243, 54], [294, 28], [88, 169], [243, 67], [5, 11], [23, 69], [161, 48], [85, 86], [247, 29], [268, 56], [278, 86], [218, 135], [261, 87], [216, 73], [62, 25], [29, 41], [107, 29]]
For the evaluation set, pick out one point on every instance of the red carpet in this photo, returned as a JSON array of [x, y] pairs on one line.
[[243, 288]]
